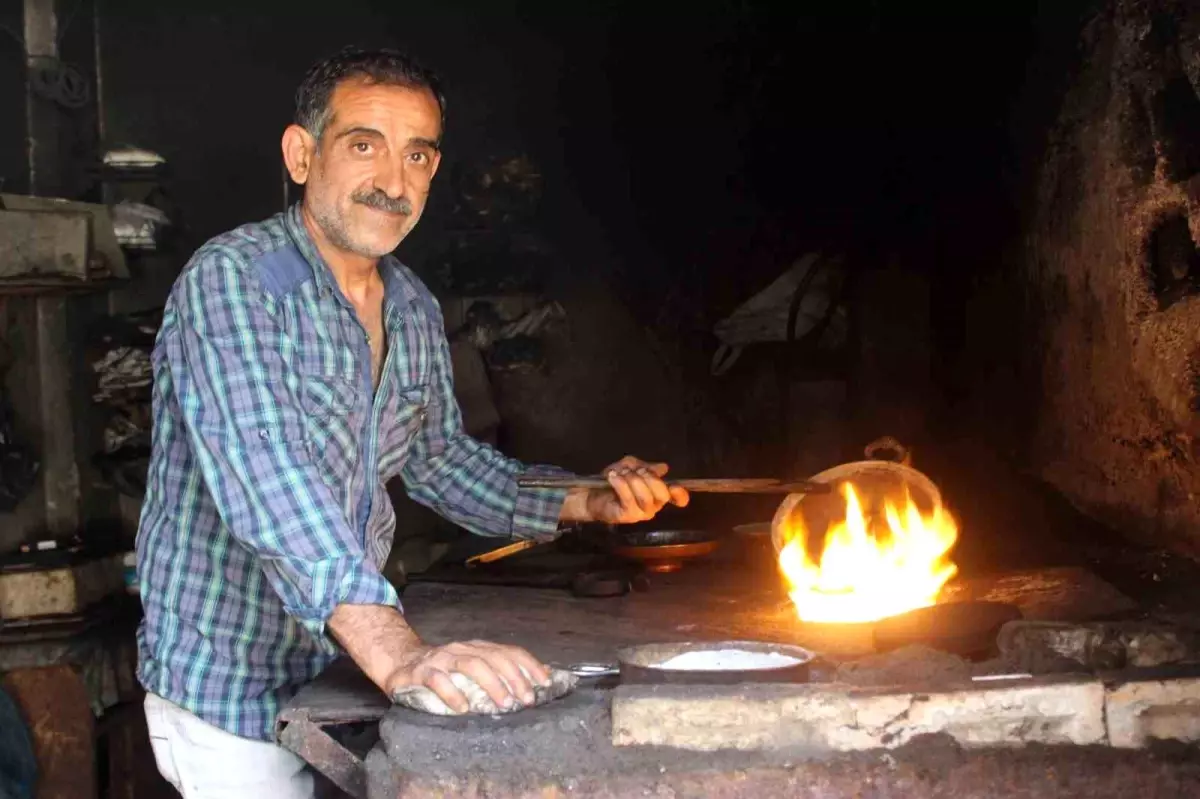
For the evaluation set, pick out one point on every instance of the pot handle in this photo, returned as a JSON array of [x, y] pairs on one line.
[[586, 670], [888, 448]]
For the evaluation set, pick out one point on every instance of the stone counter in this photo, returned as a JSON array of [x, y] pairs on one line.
[[568, 747], [568, 752]]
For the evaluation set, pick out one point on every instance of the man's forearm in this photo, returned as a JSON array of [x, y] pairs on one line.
[[378, 638]]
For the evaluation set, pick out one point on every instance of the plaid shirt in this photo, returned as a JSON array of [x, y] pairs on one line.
[[265, 504]]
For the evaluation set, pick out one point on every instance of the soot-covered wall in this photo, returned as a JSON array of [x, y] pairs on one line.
[[1110, 274]]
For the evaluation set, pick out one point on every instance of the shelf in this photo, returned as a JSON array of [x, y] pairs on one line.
[[48, 286], [129, 175]]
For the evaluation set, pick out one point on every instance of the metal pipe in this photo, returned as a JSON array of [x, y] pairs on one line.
[[41, 41], [101, 122]]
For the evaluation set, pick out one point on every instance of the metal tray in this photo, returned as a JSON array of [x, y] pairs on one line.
[[638, 664]]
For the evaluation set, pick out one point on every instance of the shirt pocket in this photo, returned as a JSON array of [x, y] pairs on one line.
[[333, 409], [404, 418]]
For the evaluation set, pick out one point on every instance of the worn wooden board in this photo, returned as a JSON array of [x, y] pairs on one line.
[[54, 702], [340, 695]]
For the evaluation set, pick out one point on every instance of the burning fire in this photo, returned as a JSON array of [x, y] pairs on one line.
[[865, 572]]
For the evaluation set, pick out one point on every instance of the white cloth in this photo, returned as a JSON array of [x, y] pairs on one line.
[[421, 698], [203, 761]]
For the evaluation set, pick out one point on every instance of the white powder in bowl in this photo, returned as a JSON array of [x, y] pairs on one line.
[[727, 660]]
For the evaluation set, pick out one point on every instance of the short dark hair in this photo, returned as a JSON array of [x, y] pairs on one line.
[[385, 66]]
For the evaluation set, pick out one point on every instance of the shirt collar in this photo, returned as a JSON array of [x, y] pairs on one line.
[[397, 288]]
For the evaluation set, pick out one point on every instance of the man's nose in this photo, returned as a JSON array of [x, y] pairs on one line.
[[390, 179]]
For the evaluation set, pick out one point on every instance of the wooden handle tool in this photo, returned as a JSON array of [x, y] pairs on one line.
[[502, 552]]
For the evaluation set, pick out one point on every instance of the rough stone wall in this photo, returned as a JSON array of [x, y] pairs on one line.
[[1112, 275]]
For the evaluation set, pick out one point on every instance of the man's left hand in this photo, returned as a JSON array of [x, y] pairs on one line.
[[636, 493]]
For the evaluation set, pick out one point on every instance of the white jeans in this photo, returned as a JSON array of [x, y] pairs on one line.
[[203, 761]]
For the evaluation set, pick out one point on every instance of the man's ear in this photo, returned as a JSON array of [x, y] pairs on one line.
[[299, 149]]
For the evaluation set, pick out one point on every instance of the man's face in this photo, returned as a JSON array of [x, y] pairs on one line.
[[367, 179]]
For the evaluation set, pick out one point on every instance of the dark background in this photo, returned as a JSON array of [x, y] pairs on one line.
[[689, 155]]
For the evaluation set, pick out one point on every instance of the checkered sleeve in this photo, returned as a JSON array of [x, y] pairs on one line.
[[465, 480], [229, 359]]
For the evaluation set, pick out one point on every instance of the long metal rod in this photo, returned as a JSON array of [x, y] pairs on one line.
[[701, 485]]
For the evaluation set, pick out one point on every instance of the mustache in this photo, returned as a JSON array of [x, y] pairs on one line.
[[380, 200]]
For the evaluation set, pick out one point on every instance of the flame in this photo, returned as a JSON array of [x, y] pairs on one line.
[[863, 576]]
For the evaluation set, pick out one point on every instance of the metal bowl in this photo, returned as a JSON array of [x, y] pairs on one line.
[[875, 479]]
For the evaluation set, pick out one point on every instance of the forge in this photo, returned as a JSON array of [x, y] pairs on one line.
[[1025, 662], [1045, 688]]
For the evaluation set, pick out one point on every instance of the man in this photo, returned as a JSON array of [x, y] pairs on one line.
[[300, 367]]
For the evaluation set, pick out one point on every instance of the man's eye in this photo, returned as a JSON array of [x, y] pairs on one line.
[[362, 147], [419, 158]]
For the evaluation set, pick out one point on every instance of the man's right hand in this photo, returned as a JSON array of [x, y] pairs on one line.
[[496, 668]]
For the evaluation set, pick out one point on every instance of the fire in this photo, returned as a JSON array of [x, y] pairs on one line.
[[867, 573]]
